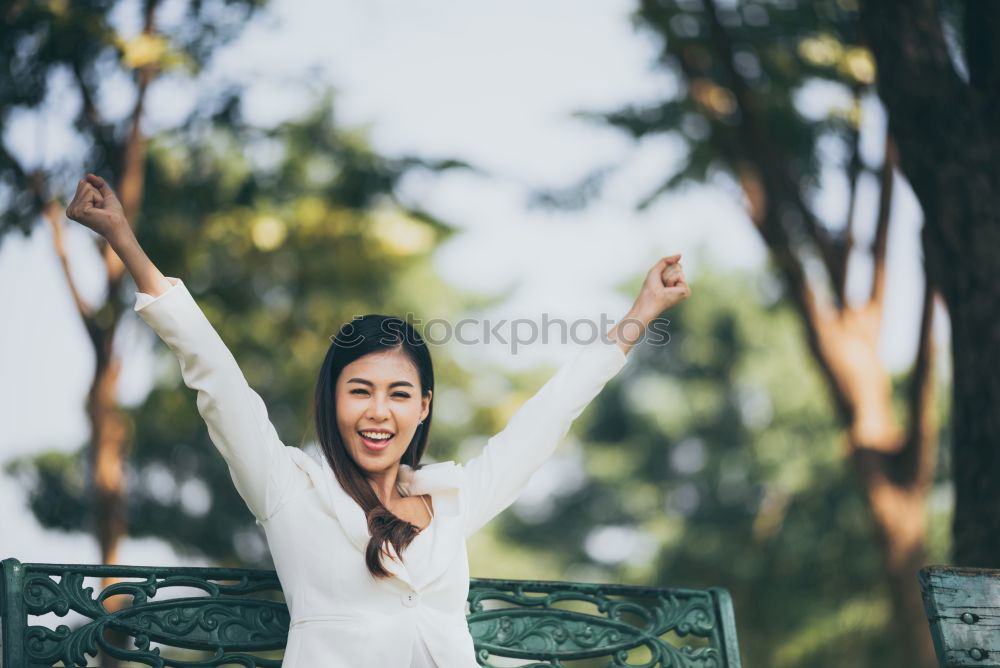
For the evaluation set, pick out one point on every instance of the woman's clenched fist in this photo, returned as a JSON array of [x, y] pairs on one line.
[[664, 287], [96, 206]]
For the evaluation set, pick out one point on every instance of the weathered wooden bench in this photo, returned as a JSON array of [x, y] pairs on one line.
[[226, 616], [963, 609]]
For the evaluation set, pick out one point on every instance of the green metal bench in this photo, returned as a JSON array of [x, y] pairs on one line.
[[226, 616], [963, 609]]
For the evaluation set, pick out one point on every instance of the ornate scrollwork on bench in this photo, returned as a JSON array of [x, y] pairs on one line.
[[237, 617], [560, 621], [230, 617]]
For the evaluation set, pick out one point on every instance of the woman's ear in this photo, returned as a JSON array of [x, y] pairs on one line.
[[425, 405]]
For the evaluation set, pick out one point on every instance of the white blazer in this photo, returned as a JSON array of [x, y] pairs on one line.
[[341, 617]]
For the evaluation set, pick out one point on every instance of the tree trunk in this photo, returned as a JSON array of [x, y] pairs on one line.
[[976, 399], [896, 471], [110, 438], [900, 518], [949, 148]]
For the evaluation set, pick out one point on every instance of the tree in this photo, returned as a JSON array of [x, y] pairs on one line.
[[37, 41], [737, 70], [940, 81]]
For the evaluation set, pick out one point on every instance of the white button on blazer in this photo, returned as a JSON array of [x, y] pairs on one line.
[[341, 617]]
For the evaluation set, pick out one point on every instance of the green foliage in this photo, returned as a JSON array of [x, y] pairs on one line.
[[281, 233], [40, 39], [777, 50], [58, 488]]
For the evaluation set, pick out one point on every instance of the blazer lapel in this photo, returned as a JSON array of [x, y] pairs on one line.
[[441, 480]]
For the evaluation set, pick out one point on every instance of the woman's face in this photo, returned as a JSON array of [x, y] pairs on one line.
[[379, 392]]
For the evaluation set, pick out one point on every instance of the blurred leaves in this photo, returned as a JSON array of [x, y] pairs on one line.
[[41, 42], [281, 233], [778, 49], [58, 488]]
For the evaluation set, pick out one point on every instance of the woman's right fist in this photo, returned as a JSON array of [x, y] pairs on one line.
[[96, 206]]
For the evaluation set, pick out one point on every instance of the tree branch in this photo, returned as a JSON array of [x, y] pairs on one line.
[[775, 177], [53, 213], [915, 461], [765, 183], [98, 128], [132, 180], [880, 243], [853, 171], [764, 217]]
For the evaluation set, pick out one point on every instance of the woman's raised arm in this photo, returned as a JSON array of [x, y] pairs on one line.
[[235, 414], [494, 479]]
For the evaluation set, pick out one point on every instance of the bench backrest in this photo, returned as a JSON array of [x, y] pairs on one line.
[[963, 609], [218, 617]]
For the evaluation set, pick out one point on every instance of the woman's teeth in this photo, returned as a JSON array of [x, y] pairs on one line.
[[375, 440]]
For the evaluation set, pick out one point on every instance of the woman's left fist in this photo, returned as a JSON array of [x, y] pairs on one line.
[[664, 286]]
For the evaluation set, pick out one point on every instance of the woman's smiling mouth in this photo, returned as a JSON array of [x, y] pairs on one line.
[[378, 443]]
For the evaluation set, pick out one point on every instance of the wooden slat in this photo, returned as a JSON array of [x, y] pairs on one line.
[[963, 609]]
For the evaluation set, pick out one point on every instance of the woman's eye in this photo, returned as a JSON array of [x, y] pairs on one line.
[[396, 394]]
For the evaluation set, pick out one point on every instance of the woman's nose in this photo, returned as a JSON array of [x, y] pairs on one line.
[[378, 407]]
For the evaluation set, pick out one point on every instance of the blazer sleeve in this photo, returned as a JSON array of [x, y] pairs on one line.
[[494, 479], [234, 413]]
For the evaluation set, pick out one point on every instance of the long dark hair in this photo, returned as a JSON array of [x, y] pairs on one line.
[[361, 336]]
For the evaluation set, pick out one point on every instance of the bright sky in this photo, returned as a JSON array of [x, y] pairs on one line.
[[492, 83]]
